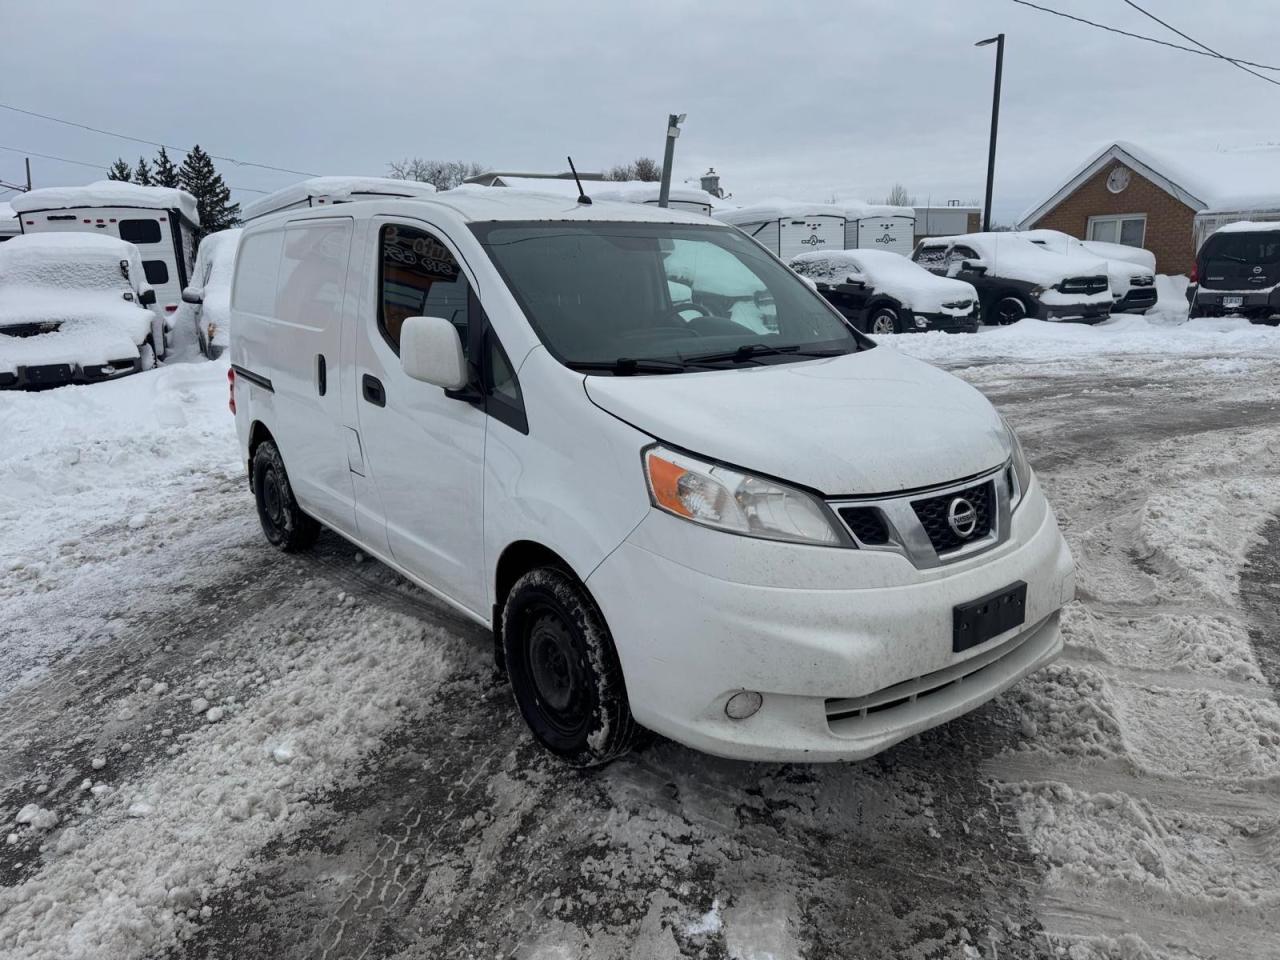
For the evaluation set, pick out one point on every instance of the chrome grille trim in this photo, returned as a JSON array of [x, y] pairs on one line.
[[907, 535]]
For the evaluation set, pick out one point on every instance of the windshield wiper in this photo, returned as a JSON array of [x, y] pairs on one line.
[[743, 354], [626, 366]]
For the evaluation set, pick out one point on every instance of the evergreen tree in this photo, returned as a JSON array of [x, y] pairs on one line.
[[120, 171], [213, 198], [165, 174], [142, 173]]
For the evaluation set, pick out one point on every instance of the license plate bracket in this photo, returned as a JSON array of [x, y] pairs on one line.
[[979, 620], [1229, 302]]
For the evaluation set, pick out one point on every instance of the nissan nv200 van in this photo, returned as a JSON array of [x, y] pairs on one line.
[[765, 537]]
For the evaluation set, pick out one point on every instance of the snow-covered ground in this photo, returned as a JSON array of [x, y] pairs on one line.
[[211, 750]]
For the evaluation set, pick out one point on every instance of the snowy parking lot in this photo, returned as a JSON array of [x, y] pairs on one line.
[[211, 750]]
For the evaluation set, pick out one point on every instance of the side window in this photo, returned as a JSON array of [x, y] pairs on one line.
[[932, 256], [312, 277], [418, 277], [157, 272], [140, 231]]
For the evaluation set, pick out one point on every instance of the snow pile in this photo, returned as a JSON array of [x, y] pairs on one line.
[[108, 193], [909, 283], [333, 190]]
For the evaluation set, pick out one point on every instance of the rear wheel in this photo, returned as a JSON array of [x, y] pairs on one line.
[[1008, 310], [146, 356], [564, 669], [283, 521], [883, 320]]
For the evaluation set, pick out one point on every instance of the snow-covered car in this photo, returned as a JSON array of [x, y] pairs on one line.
[[73, 309], [1237, 271], [206, 303], [1131, 270], [883, 292], [1016, 279]]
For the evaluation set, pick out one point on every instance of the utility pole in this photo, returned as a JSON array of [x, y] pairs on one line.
[[998, 40], [28, 159], [673, 131]]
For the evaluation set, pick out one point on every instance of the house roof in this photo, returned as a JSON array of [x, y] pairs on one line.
[[1226, 180]]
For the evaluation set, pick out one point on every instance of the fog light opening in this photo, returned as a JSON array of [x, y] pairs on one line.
[[922, 322], [743, 704]]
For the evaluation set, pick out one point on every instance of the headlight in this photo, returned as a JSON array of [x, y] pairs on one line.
[[1021, 469], [722, 498]]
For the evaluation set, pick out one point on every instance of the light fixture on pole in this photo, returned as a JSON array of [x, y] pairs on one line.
[[673, 131], [998, 40]]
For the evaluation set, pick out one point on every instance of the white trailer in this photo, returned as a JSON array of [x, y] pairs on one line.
[[789, 229], [322, 191], [871, 226], [160, 221]]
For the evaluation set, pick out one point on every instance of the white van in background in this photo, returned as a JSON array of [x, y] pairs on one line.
[[326, 191], [778, 542], [160, 221]]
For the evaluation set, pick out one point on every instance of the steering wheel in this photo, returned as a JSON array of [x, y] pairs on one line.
[[677, 311]]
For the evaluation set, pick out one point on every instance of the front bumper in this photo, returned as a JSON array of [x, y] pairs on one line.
[[815, 630], [947, 323], [35, 377], [1137, 299], [1074, 312]]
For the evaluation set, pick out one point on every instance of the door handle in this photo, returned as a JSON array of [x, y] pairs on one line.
[[373, 391], [322, 379]]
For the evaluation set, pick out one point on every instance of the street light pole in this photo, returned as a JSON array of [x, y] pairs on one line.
[[998, 40], [673, 130]]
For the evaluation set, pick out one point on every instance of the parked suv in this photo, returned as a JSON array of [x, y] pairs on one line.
[[880, 292], [73, 309], [1237, 271], [1017, 279], [772, 542], [1130, 270]]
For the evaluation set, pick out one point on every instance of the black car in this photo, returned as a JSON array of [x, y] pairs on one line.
[[1237, 271], [1016, 279], [880, 292]]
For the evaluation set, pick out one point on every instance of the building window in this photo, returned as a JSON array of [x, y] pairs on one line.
[[1131, 230]]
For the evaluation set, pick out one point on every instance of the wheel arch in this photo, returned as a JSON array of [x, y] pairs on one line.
[[517, 559], [258, 433]]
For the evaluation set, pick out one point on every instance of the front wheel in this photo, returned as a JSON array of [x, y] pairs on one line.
[[283, 521], [884, 320], [1009, 310], [564, 669]]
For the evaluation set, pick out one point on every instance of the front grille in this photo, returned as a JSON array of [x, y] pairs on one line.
[[1141, 280], [933, 515], [867, 524], [1086, 285]]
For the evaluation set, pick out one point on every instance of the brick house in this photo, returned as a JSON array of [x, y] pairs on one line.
[[1131, 195]]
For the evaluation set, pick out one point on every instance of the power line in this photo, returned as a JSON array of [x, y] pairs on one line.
[[1140, 36], [95, 166], [151, 143], [1184, 36]]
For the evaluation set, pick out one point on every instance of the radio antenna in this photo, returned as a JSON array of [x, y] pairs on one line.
[[582, 194]]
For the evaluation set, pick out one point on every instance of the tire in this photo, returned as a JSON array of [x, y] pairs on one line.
[[283, 521], [564, 670], [1007, 310], [146, 356], [884, 320]]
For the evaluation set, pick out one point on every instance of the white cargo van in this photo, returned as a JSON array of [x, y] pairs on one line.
[[160, 221], [772, 542], [327, 191]]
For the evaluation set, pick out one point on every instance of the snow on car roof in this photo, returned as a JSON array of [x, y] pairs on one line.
[[630, 191], [476, 203], [1250, 226], [334, 190], [1014, 255], [108, 193]]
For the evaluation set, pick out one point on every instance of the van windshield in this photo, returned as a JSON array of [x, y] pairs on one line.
[[640, 298]]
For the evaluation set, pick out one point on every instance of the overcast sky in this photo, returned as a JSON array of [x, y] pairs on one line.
[[806, 100]]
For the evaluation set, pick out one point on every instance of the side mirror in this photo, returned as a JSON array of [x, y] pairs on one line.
[[193, 295], [855, 282], [431, 351], [147, 297], [973, 266]]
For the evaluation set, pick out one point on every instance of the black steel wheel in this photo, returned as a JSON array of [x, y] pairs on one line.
[[564, 669], [283, 521]]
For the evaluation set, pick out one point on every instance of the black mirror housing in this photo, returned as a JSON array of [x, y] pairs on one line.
[[191, 295], [147, 297]]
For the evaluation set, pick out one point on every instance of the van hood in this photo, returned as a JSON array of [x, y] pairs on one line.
[[864, 423]]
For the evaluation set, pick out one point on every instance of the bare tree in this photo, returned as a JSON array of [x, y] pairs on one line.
[[898, 197], [441, 174], [642, 168]]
